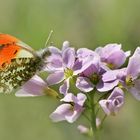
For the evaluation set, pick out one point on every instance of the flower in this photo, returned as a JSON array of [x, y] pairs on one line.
[[90, 75], [113, 103], [71, 109], [112, 55], [83, 129], [111, 79], [60, 63], [132, 81], [127, 77], [34, 87], [63, 66]]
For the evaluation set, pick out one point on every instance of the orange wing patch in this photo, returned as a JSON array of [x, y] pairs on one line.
[[7, 53], [7, 39], [8, 49]]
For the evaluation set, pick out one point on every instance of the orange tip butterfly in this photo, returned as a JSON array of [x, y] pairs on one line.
[[18, 62]]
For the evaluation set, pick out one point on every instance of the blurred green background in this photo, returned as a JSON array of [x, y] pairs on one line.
[[85, 23]]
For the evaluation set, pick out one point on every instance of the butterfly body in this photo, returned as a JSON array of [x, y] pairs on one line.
[[18, 63]]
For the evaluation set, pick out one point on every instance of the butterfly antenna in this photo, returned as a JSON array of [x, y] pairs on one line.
[[49, 37]]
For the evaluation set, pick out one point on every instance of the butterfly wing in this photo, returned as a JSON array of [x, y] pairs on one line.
[[18, 63]]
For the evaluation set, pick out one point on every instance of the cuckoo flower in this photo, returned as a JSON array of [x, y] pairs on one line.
[[83, 129], [133, 73], [71, 109], [127, 77], [83, 62], [68, 64], [112, 78], [60, 63], [112, 55], [113, 103], [91, 72]]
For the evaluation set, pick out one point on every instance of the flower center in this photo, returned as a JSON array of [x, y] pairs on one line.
[[110, 65], [68, 73], [129, 81], [95, 78]]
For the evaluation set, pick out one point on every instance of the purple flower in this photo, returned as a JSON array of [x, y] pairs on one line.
[[83, 129], [60, 64], [133, 73], [111, 79], [112, 55], [113, 103], [64, 65], [127, 77], [34, 87], [91, 72], [71, 109]]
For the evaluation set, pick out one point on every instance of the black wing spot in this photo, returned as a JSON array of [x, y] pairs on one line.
[[15, 51], [3, 65]]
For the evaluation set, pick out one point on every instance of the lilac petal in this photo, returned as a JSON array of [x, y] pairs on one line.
[[93, 68], [54, 50], [60, 112], [135, 90], [65, 87], [110, 48], [34, 87], [112, 54], [83, 129], [137, 51], [133, 68], [66, 45], [68, 56], [103, 87], [86, 62], [103, 104], [81, 98], [69, 98], [84, 52], [116, 92], [82, 65], [55, 78], [110, 75], [76, 113], [112, 105], [77, 68], [106, 51], [121, 74], [127, 53], [117, 58], [99, 50], [113, 47], [84, 84], [54, 63]]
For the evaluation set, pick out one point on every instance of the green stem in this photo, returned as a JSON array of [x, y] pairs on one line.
[[93, 116]]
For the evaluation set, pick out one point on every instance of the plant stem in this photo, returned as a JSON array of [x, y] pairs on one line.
[[93, 116]]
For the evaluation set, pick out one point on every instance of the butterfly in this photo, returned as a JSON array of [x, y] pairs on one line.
[[18, 62]]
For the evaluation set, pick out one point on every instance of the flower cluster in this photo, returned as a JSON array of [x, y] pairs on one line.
[[90, 82]]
